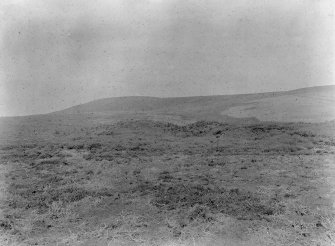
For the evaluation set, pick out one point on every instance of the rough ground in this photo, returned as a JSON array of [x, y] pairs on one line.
[[142, 182]]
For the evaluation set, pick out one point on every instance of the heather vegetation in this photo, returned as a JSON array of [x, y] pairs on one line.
[[143, 182]]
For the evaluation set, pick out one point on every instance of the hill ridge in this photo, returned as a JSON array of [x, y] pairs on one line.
[[149, 103]]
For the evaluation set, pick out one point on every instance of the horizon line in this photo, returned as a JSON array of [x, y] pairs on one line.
[[168, 97]]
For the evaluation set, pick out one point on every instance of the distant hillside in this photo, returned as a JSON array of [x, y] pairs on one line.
[[136, 104], [307, 104]]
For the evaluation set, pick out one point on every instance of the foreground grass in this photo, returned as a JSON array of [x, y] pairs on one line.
[[151, 183]]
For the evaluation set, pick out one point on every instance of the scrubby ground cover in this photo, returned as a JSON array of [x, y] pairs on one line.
[[142, 182]]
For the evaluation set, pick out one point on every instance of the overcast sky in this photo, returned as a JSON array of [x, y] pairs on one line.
[[58, 53]]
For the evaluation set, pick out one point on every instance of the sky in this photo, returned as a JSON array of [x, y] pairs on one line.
[[58, 53]]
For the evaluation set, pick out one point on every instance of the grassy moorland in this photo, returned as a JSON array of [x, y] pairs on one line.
[[142, 182]]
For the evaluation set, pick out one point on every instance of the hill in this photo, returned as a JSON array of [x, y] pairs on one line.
[[313, 104], [146, 171]]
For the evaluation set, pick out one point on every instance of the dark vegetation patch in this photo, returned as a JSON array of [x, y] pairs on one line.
[[270, 128], [234, 202], [199, 128]]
